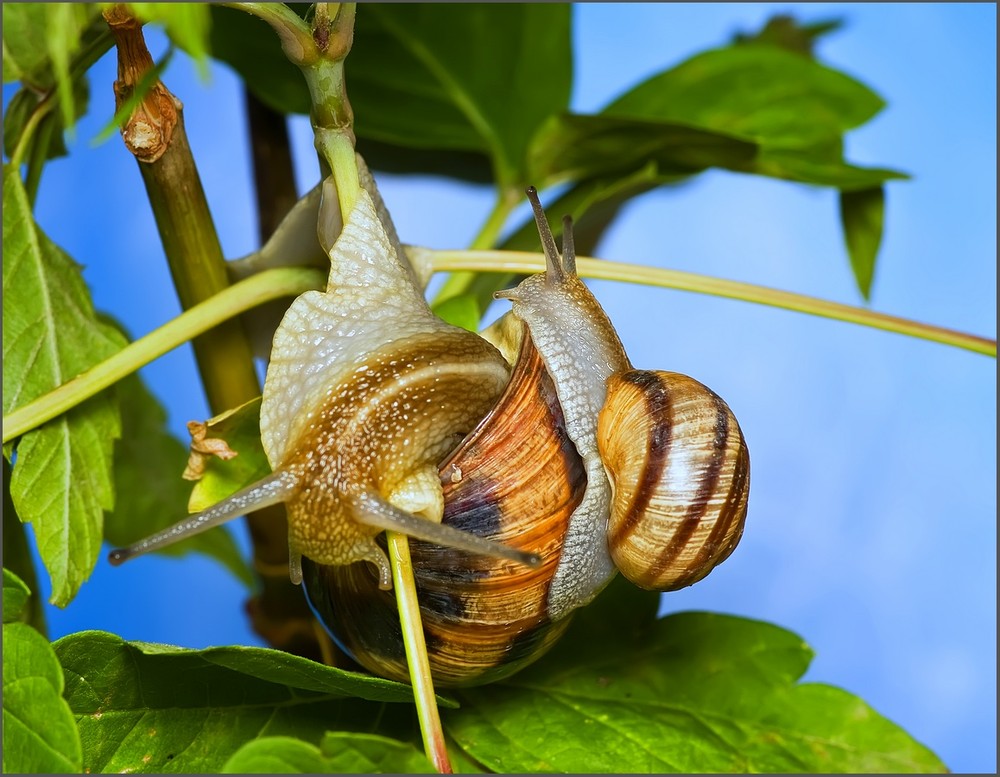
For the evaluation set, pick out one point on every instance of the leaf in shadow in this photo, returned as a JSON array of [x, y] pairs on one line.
[[862, 215], [339, 753], [159, 708], [151, 495], [475, 77]]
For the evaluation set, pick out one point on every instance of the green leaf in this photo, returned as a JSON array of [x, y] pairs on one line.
[[577, 147], [159, 708], [340, 753], [786, 32], [476, 77], [251, 48], [463, 310], [15, 596], [862, 213], [187, 24], [151, 494], [62, 480], [817, 166], [693, 692], [759, 93], [240, 429], [39, 734], [17, 559]]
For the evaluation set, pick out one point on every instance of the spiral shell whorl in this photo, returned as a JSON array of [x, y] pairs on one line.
[[681, 474]]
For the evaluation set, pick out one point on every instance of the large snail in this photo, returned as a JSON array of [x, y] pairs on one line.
[[526, 486]]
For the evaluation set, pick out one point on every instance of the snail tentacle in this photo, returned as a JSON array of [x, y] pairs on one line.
[[371, 509], [275, 488]]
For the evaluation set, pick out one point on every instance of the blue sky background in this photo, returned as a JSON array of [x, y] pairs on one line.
[[872, 524]]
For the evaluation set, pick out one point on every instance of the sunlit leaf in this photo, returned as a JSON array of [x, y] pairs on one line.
[[158, 708], [760, 93], [39, 733], [693, 692], [61, 483]]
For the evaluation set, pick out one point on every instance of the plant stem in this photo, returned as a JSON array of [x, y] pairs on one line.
[[488, 237], [238, 298], [416, 652], [529, 262]]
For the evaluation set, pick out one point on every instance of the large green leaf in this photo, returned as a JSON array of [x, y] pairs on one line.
[[339, 753], [693, 692], [151, 494], [760, 93], [39, 733], [474, 77], [61, 482], [159, 708]]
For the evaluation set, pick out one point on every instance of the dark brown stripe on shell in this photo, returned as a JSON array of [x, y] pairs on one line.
[[700, 504], [732, 510], [659, 439]]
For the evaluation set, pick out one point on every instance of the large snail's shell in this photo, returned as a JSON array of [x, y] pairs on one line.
[[483, 618], [681, 475]]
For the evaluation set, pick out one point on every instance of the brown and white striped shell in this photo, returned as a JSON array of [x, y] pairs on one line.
[[516, 479], [680, 471]]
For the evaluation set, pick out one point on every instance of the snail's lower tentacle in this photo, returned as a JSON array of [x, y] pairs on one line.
[[276, 487], [372, 510]]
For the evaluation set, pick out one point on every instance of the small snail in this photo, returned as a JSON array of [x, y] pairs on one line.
[[582, 466]]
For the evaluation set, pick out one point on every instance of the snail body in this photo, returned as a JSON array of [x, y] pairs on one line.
[[354, 421], [572, 465], [662, 497]]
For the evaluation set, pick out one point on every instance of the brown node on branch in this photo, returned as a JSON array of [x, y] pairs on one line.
[[203, 448], [148, 130]]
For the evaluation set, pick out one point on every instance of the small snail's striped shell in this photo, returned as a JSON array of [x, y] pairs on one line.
[[681, 476], [516, 479]]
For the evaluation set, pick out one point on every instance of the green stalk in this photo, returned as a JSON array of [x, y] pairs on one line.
[[489, 235], [527, 262], [416, 652], [238, 298]]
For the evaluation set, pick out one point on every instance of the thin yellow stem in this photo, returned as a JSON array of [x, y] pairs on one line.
[[416, 652], [236, 299], [489, 235], [528, 262]]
